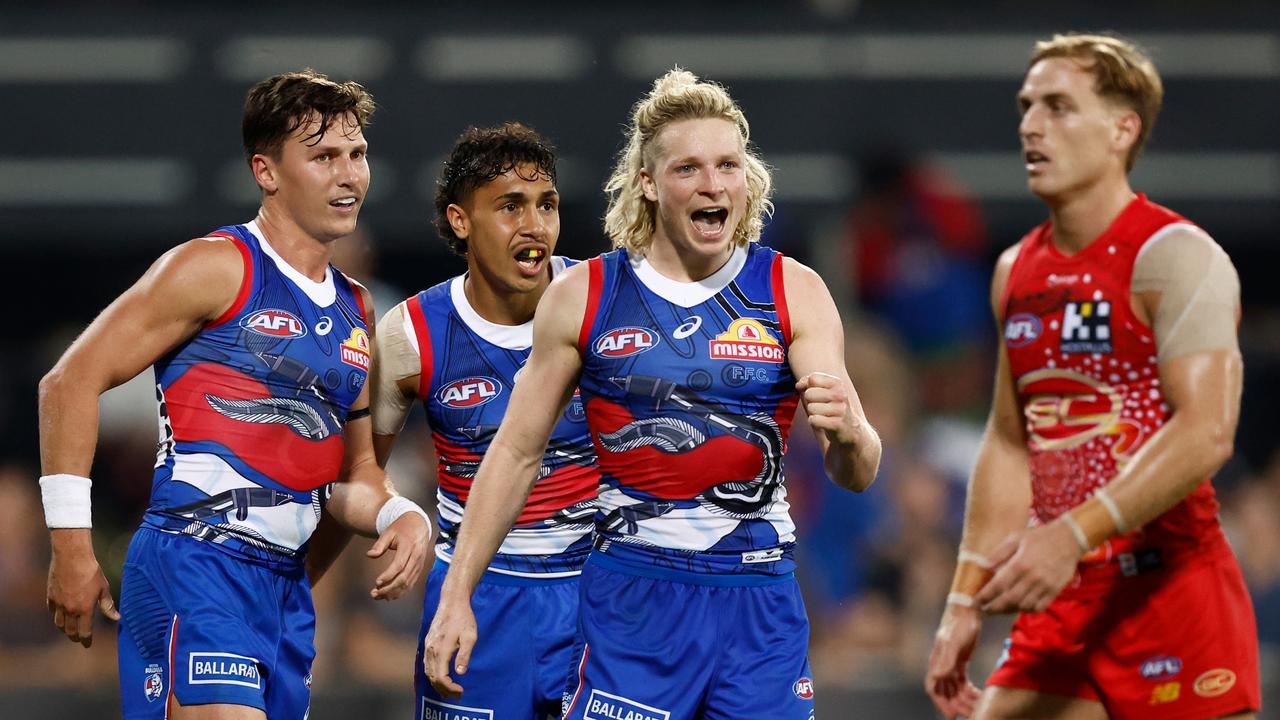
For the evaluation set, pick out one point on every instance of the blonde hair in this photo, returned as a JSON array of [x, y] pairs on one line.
[[678, 95], [1122, 73]]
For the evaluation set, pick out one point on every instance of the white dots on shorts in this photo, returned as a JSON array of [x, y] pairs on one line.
[[1111, 249]]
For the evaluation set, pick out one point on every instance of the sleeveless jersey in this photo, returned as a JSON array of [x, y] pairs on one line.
[[690, 398], [469, 369], [1087, 376], [252, 409]]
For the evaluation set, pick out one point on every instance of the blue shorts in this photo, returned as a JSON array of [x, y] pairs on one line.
[[657, 648], [204, 627], [523, 653]]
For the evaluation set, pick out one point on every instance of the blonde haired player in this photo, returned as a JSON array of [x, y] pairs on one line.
[[1116, 398], [690, 367]]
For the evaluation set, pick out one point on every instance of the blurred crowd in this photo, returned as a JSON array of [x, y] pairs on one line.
[[914, 263]]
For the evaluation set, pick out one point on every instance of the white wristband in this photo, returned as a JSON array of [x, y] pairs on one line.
[[1081, 539], [1122, 526], [961, 599], [394, 508], [66, 501], [978, 559]]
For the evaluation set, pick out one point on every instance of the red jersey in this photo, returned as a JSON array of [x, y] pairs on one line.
[[1087, 377]]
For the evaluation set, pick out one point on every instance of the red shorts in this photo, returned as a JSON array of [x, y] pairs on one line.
[[1177, 642]]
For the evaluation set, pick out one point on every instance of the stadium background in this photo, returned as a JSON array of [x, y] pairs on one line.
[[891, 126]]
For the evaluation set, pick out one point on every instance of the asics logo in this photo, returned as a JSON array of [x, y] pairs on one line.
[[324, 326], [687, 328]]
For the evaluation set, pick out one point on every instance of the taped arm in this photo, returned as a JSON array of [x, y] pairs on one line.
[[394, 387], [1189, 288]]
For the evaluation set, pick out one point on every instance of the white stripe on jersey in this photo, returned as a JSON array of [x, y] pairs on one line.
[[695, 528], [288, 525]]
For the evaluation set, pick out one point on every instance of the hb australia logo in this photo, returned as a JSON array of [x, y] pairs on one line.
[[746, 339], [275, 323], [355, 351], [1086, 327]]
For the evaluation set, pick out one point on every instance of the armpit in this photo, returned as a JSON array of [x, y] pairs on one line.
[[1199, 291]]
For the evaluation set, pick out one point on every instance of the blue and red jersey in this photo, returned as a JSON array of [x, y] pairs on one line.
[[469, 369], [690, 397], [252, 409]]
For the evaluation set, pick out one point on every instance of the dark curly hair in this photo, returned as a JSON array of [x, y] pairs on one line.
[[479, 156], [279, 105]]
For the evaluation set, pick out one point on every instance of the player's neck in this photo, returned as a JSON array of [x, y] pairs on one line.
[[303, 252], [683, 264], [1084, 216], [502, 307]]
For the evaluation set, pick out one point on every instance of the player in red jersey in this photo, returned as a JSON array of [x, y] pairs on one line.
[[1116, 398]]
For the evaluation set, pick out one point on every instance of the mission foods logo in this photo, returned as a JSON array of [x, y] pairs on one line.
[[355, 351], [469, 392], [621, 342], [275, 323], [747, 340]]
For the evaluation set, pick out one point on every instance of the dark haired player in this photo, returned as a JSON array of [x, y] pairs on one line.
[[261, 351], [459, 347]]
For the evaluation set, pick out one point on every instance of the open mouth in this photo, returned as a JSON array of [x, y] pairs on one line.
[[710, 221], [344, 203], [1034, 159], [530, 257]]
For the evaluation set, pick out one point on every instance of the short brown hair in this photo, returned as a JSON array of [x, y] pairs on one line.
[[478, 157], [1122, 73], [279, 105]]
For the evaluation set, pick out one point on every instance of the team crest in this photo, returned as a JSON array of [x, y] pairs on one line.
[[355, 351], [746, 339], [275, 323], [153, 686]]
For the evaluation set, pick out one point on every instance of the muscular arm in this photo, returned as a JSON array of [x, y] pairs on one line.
[[185, 289], [509, 470], [996, 506], [389, 405], [1187, 286], [850, 445], [358, 495]]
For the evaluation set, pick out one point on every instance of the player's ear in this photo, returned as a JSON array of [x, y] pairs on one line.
[[648, 186], [1127, 128], [264, 170], [458, 220]]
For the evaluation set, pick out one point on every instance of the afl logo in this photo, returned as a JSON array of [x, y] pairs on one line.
[[469, 392], [803, 688], [622, 342], [275, 323], [1161, 667], [1022, 329]]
